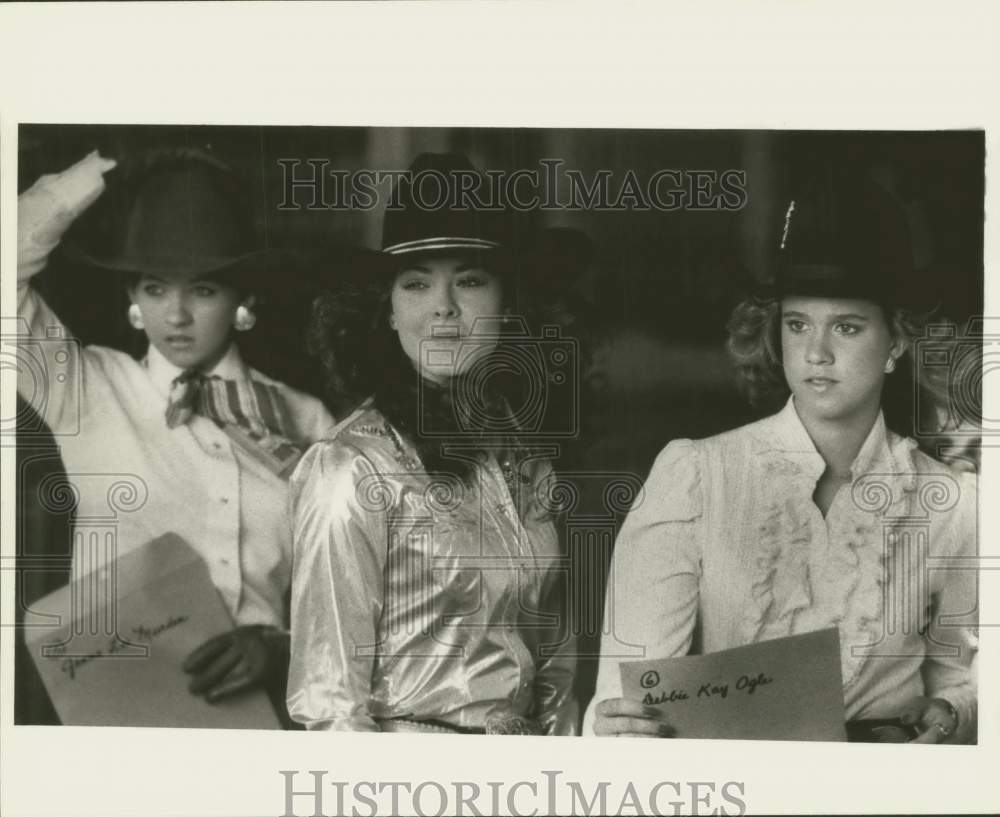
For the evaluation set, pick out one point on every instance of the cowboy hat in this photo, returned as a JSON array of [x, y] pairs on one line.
[[444, 204], [178, 213], [850, 240]]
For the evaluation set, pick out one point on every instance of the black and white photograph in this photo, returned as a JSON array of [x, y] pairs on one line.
[[597, 432]]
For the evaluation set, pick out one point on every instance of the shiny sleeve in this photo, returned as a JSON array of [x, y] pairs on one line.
[[651, 604], [339, 510], [948, 669]]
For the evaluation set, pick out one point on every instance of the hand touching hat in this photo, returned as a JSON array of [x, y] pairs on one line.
[[47, 209]]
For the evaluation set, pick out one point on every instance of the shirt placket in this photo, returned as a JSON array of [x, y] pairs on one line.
[[222, 548], [507, 511]]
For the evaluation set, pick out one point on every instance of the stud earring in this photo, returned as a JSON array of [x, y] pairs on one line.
[[245, 319], [135, 317], [392, 322], [890, 365]]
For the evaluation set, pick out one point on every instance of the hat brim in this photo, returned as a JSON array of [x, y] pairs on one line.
[[249, 264], [566, 246], [441, 244], [825, 281]]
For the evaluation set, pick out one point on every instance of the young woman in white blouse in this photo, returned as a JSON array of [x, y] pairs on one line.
[[783, 526], [427, 588], [206, 441]]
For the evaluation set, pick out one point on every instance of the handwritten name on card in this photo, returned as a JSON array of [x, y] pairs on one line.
[[745, 683], [116, 660], [141, 633], [784, 689]]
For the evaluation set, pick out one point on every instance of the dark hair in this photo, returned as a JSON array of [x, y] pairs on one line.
[[754, 347], [361, 356]]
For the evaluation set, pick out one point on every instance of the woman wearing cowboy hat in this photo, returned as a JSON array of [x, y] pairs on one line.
[[212, 440], [811, 518], [427, 590]]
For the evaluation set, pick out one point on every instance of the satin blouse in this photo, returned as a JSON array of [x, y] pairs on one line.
[[420, 597]]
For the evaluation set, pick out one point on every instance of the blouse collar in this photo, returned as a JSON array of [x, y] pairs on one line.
[[877, 455], [163, 373]]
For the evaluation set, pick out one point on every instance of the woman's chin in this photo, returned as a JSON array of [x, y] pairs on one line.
[[828, 408], [183, 358]]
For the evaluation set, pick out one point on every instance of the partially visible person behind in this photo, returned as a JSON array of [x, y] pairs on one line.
[[785, 526], [212, 439]]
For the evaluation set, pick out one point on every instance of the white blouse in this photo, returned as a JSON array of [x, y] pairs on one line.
[[132, 477], [726, 547]]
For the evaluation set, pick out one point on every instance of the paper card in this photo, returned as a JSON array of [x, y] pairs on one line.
[[784, 689], [115, 659]]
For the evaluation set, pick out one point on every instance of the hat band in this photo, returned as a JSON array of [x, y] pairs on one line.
[[441, 243], [831, 281]]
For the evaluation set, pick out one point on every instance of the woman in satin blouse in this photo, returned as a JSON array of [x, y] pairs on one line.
[[426, 591], [789, 525]]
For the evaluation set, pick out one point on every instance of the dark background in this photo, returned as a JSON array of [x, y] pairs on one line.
[[649, 312]]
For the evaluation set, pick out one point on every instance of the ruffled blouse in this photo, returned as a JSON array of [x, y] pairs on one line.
[[726, 547], [423, 598]]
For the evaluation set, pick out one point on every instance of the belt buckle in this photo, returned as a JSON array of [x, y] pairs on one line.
[[510, 724]]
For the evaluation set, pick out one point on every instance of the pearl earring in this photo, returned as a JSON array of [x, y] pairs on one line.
[[890, 365], [245, 319], [135, 317]]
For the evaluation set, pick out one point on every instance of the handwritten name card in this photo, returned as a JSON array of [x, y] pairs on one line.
[[784, 689], [124, 631]]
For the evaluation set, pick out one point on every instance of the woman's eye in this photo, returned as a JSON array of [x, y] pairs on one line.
[[204, 292], [847, 329], [413, 284], [795, 325], [472, 281], [152, 290]]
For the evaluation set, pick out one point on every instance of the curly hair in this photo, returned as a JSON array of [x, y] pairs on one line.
[[361, 356], [754, 347]]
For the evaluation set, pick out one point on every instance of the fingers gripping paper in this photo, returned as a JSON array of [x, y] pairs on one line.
[[120, 634], [784, 689]]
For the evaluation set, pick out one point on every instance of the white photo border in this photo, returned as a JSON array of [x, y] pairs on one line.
[[721, 65]]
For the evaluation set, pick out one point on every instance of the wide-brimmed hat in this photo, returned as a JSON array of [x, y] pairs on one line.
[[848, 240], [444, 204], [178, 213], [434, 208]]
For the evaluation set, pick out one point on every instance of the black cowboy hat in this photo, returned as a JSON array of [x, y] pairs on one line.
[[184, 212], [178, 212], [445, 204], [427, 211], [849, 240]]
